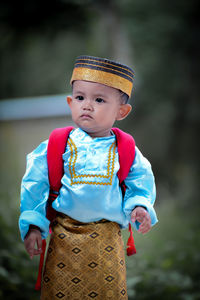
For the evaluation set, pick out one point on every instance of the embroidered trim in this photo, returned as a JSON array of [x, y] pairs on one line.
[[103, 68], [72, 163], [110, 79]]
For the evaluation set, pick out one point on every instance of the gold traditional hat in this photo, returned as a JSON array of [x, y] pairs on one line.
[[104, 71]]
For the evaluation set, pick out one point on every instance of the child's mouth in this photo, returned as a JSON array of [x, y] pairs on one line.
[[85, 116]]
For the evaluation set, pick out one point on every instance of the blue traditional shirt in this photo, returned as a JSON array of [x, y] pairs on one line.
[[90, 186]]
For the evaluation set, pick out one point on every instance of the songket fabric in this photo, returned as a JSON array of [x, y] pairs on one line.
[[84, 261]]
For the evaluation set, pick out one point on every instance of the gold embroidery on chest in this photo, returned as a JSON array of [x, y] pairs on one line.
[[72, 164]]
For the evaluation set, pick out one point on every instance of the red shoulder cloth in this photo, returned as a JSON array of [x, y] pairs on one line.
[[56, 147], [126, 151]]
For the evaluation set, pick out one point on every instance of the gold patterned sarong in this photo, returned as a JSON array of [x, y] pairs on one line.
[[84, 261]]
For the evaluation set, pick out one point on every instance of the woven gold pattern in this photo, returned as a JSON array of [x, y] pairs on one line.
[[84, 261], [108, 68], [102, 77], [72, 165]]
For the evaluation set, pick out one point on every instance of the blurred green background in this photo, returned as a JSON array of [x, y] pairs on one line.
[[160, 40]]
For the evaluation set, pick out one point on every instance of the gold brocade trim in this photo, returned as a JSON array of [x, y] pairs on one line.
[[102, 77], [72, 163], [107, 63], [131, 78]]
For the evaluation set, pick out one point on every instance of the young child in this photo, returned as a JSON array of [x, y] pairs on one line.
[[85, 258]]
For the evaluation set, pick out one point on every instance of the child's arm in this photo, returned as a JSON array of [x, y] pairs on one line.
[[32, 240], [140, 194], [35, 192]]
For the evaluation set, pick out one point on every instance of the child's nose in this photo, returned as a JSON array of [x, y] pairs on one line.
[[87, 104]]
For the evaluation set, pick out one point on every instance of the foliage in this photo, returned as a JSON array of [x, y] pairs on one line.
[[167, 266], [17, 272]]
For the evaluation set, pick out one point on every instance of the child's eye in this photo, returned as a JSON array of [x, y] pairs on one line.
[[100, 100], [79, 97]]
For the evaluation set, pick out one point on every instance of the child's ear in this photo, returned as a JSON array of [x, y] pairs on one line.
[[123, 112], [69, 100]]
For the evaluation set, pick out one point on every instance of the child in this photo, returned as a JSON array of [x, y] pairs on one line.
[[85, 258]]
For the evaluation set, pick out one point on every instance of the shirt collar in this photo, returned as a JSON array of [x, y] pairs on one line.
[[81, 135]]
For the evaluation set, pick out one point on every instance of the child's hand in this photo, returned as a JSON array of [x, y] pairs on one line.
[[32, 239], [141, 215]]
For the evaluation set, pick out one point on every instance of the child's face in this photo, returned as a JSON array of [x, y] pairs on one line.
[[95, 107]]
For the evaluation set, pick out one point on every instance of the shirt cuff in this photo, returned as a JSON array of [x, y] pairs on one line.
[[140, 201], [30, 217]]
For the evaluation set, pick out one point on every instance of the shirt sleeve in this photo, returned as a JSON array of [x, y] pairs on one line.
[[34, 192], [140, 188]]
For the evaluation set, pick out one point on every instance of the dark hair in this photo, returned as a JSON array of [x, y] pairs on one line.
[[124, 97]]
